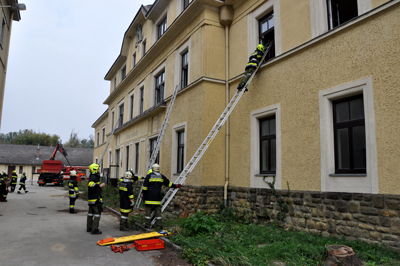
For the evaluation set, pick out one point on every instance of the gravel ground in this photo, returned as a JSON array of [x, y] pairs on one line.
[[170, 257]]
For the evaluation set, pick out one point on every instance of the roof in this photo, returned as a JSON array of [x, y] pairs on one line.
[[26, 155]]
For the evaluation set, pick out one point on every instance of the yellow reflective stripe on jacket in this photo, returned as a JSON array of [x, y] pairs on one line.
[[131, 197], [152, 202], [92, 184], [125, 210], [92, 200], [156, 179], [144, 188], [170, 184], [123, 188]]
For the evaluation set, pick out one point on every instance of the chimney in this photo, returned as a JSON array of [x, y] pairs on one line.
[[38, 152]]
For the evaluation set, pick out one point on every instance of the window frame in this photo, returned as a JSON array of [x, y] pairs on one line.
[[123, 73], [329, 9], [185, 69], [133, 59], [159, 87], [137, 156], [152, 143], [256, 177], [131, 105], [121, 110], [269, 31], [269, 138], [355, 183], [350, 125], [141, 103], [3, 32], [180, 151], [161, 27], [98, 138], [103, 132]]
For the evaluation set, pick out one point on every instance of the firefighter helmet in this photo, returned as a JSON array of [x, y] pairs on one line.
[[94, 168], [156, 167], [14, 171], [260, 47], [128, 174]]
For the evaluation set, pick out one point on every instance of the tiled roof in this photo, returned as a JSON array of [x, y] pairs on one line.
[[26, 155]]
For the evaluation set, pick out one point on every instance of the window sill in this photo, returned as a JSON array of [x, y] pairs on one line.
[[347, 175], [262, 175], [177, 174]]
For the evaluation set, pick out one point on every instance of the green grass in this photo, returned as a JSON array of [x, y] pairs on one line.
[[231, 240]]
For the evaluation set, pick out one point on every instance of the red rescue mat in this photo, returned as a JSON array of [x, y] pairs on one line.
[[121, 248]]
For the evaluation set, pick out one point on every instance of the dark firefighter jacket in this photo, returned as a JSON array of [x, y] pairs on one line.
[[254, 59], [134, 178], [125, 195], [94, 189], [14, 179], [22, 180], [152, 187], [73, 187]]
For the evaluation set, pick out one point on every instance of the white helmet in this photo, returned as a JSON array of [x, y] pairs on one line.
[[72, 173], [156, 167], [128, 175]]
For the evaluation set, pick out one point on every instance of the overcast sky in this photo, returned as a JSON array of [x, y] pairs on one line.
[[60, 53]]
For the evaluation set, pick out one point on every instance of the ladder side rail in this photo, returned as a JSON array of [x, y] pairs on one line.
[[159, 140], [228, 110]]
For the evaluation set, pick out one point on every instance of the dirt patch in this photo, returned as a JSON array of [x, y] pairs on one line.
[[170, 257]]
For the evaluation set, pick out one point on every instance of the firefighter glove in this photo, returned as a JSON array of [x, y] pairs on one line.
[[178, 185]]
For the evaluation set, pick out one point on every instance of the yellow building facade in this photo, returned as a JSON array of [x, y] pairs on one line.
[[320, 115]]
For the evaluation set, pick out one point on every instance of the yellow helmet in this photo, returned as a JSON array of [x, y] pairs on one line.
[[94, 168], [156, 167], [260, 47], [14, 171]]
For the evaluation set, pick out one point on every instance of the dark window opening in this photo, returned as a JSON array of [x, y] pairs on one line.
[[137, 157], [268, 145], [153, 143], [161, 28], [121, 114], [349, 134], [185, 70], [181, 151], [141, 100], [185, 4], [341, 11], [267, 33], [159, 91]]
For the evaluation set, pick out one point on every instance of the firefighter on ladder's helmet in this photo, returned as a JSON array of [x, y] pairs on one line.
[[156, 167]]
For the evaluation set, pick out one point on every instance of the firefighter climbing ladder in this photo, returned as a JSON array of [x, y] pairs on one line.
[[159, 140], [206, 143]]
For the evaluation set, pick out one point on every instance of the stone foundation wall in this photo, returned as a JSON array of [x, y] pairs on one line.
[[373, 218]]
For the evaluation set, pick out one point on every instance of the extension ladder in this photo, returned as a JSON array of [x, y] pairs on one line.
[[206, 143], [158, 142]]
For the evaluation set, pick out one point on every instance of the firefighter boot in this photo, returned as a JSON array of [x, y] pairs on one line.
[[123, 224], [72, 210], [89, 222]]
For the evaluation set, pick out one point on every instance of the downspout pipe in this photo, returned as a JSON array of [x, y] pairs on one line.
[[226, 18]]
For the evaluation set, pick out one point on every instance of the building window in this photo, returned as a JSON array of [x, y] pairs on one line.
[[268, 145], [33, 169], [153, 143], [132, 98], [349, 135], [98, 138], [112, 120], [136, 157], [121, 115], [185, 4], [21, 169], [161, 28], [134, 60], [143, 48], [141, 100], [185, 70], [127, 159], [341, 11], [3, 31], [117, 163], [267, 33], [159, 91], [103, 135], [123, 73], [181, 151], [114, 83]]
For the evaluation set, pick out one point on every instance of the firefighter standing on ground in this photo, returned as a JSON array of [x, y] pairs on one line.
[[3, 186], [152, 195], [94, 199], [126, 200], [22, 183], [14, 179], [73, 191], [254, 60]]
